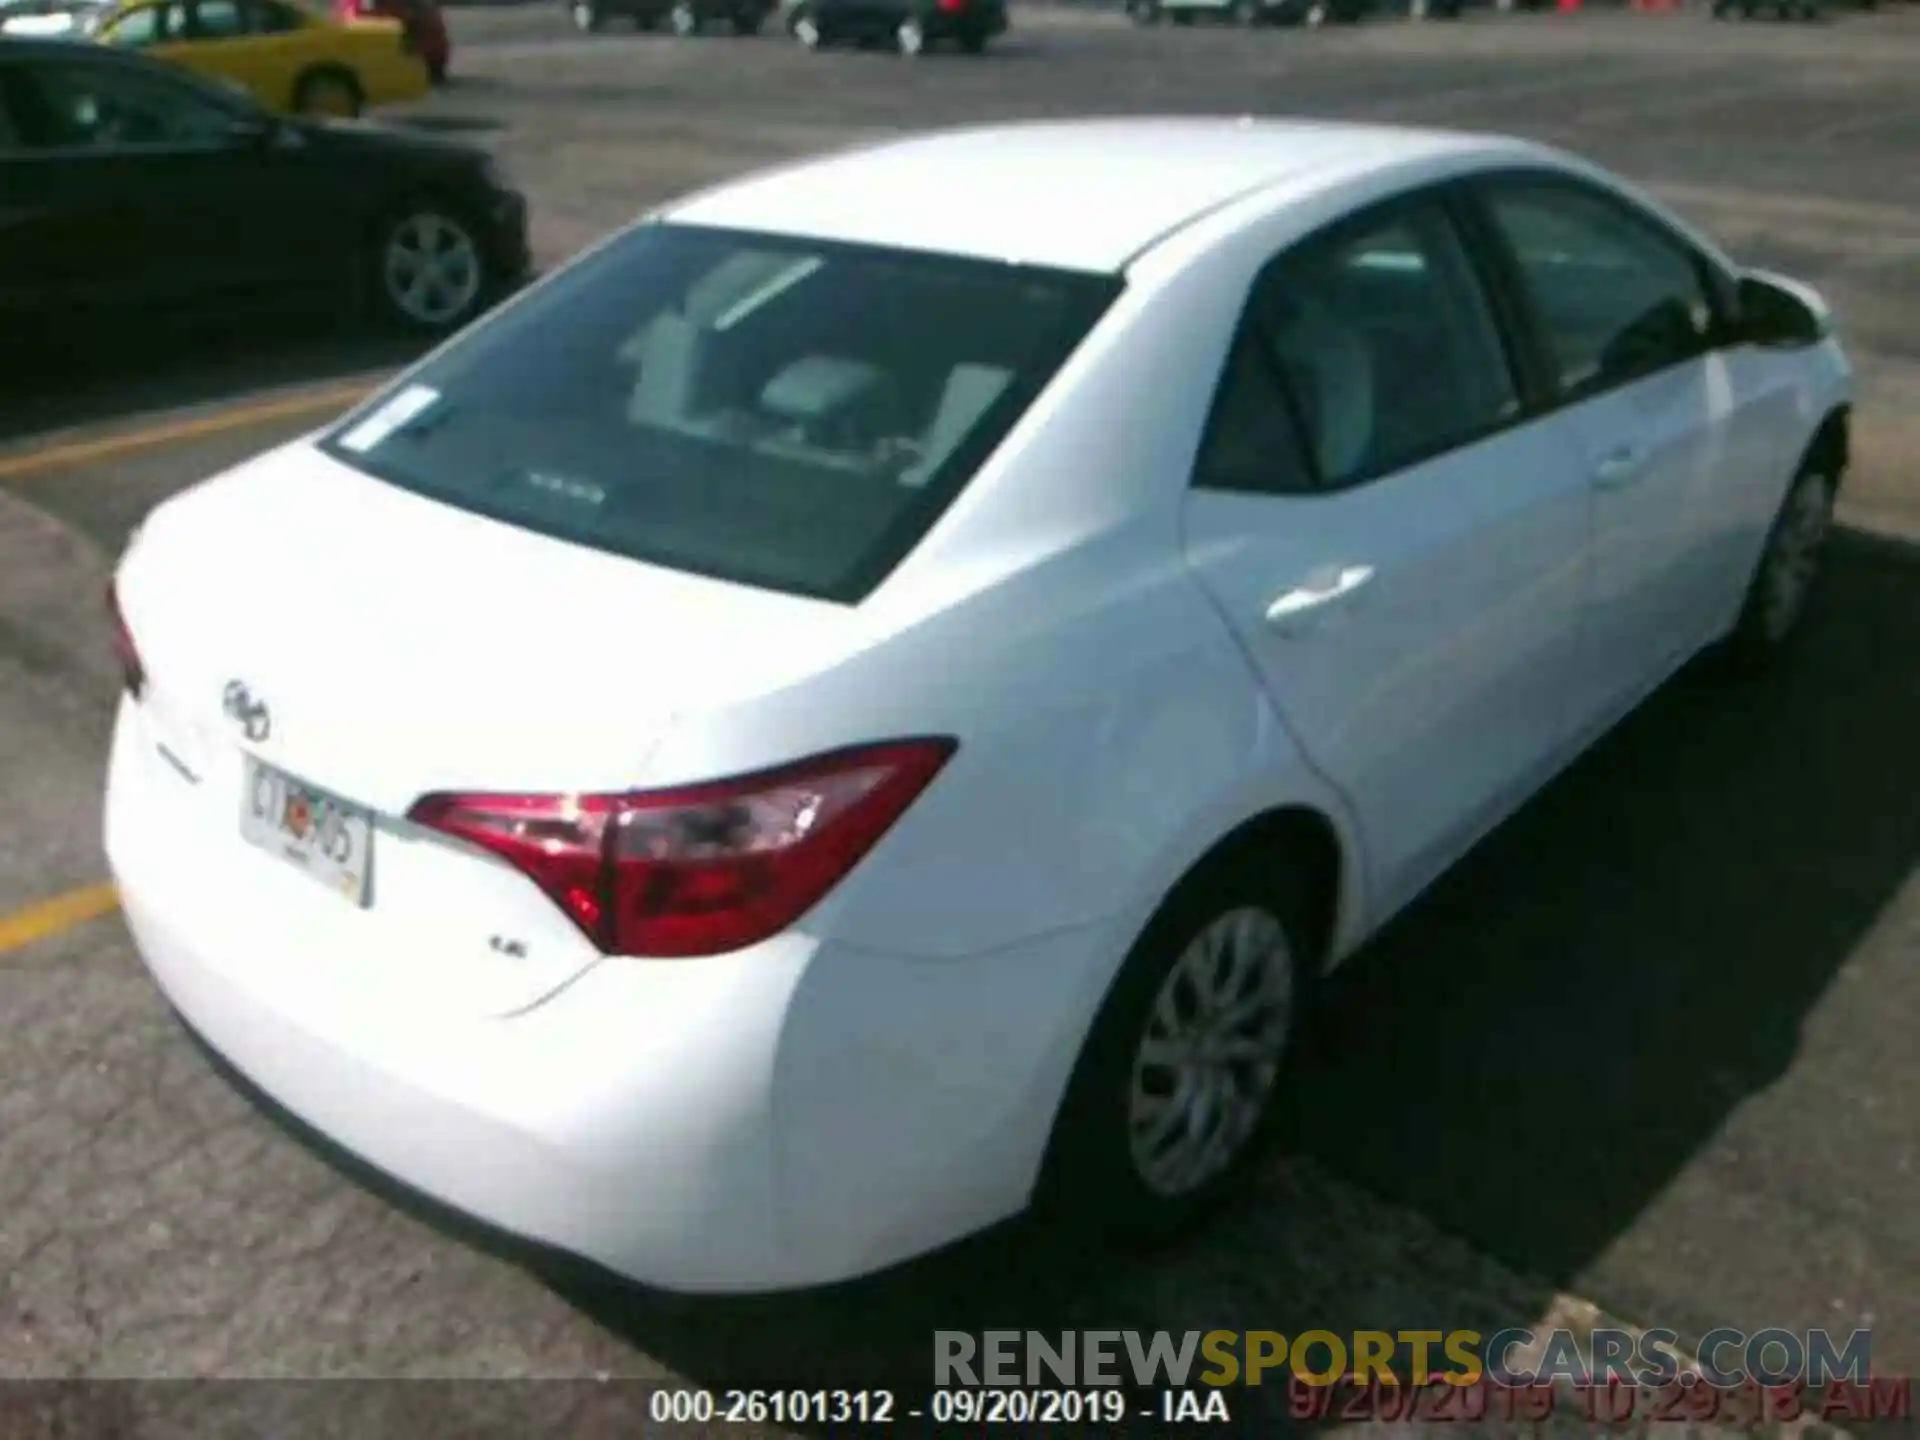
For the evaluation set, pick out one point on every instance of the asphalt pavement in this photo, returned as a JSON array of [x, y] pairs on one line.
[[1652, 1044]]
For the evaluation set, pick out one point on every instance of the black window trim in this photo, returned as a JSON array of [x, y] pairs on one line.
[[159, 74], [1442, 198], [1548, 395]]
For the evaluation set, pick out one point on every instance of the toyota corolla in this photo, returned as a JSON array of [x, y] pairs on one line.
[[866, 702]]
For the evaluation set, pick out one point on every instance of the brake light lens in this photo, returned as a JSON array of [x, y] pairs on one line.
[[133, 671], [701, 869], [952, 7]]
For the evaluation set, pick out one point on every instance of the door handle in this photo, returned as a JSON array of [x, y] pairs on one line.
[[1620, 467], [1294, 605]]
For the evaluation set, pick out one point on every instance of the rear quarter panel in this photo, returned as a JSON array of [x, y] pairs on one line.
[[374, 50], [244, 62], [1111, 730]]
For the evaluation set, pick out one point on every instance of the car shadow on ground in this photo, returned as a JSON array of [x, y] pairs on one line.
[[1527, 1057], [120, 370], [1533, 1051]]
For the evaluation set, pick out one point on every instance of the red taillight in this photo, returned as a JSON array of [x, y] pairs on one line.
[[133, 673], [706, 868], [952, 7]]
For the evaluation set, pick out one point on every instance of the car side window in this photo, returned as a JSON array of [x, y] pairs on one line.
[[74, 106], [133, 29], [9, 132], [1253, 441], [272, 18], [1614, 296], [215, 20], [1387, 342]]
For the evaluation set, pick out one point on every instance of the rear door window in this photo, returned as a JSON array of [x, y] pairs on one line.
[[781, 412]]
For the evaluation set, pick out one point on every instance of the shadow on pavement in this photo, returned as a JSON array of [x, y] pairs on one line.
[[1527, 1057], [1531, 1053], [117, 369]]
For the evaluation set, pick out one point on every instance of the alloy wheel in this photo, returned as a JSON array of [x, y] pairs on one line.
[[431, 269], [1207, 1060]]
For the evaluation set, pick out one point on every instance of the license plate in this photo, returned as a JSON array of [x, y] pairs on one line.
[[305, 826]]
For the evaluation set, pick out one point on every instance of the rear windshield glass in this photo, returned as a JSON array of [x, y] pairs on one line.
[[784, 413]]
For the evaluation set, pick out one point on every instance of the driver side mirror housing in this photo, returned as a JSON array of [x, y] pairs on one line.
[[1775, 312]]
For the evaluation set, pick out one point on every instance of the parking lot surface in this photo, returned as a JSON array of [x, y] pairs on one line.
[[1653, 1044]]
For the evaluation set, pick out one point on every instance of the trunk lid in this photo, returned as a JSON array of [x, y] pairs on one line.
[[401, 646]]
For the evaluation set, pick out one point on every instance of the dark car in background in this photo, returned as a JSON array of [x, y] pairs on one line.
[[131, 187], [682, 17], [1310, 13], [910, 26]]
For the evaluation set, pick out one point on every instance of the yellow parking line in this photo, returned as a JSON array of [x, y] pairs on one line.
[[53, 917], [79, 452]]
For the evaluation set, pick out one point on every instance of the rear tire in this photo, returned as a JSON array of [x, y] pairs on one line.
[[1173, 1093], [428, 267], [973, 41], [329, 93]]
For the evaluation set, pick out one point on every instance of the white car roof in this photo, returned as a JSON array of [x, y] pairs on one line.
[[1078, 194]]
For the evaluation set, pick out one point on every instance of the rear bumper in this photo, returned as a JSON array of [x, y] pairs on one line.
[[983, 21], [507, 240], [790, 1115]]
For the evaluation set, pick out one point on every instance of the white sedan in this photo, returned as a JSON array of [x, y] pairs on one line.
[[865, 703]]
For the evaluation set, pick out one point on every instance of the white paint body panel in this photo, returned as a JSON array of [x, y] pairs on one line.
[[882, 1077]]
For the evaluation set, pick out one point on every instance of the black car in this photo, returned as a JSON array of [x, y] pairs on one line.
[[130, 186], [682, 17], [910, 26]]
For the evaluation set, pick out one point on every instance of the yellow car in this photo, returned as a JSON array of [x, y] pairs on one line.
[[288, 58]]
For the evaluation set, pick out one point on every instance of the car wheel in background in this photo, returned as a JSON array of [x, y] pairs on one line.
[[910, 37], [1173, 1091], [684, 20], [437, 72], [429, 269], [1784, 580], [973, 41], [329, 93]]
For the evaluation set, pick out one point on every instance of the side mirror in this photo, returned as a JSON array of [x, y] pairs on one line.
[[1773, 312]]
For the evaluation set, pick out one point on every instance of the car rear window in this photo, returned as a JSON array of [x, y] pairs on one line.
[[783, 413]]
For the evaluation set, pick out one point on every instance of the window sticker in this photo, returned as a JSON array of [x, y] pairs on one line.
[[402, 409]]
